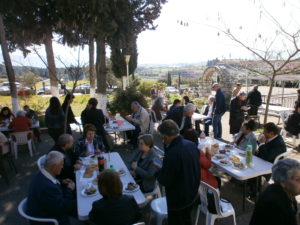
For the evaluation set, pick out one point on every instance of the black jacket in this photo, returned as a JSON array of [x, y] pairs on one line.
[[95, 117], [272, 149], [176, 114], [220, 103], [254, 98], [70, 116], [120, 211], [293, 123], [236, 115], [274, 207], [180, 173]]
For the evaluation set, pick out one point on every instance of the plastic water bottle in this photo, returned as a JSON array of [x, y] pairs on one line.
[[249, 155], [202, 135], [112, 167]]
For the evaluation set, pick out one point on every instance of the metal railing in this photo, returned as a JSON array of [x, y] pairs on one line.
[[285, 101]]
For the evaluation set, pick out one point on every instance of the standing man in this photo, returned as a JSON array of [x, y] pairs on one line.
[[237, 90], [180, 174], [219, 109], [254, 101], [154, 92]]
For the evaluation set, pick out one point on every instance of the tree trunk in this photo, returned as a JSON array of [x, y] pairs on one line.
[[9, 69], [269, 97], [101, 74], [92, 67], [51, 65]]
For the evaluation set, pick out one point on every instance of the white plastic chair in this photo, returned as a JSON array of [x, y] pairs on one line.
[[22, 211], [41, 162], [282, 155], [159, 207], [223, 208], [21, 138], [156, 192]]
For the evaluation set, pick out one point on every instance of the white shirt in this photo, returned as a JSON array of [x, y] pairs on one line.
[[49, 176], [271, 139], [90, 147], [210, 110]]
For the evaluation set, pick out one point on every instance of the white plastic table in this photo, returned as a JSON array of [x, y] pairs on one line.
[[198, 116], [84, 204], [126, 126], [36, 124], [277, 109]]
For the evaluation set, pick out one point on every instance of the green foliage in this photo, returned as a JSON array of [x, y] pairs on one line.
[[121, 102], [169, 81], [145, 87], [172, 97]]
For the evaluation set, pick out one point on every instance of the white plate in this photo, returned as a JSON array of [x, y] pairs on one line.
[[223, 155], [239, 168], [122, 174], [128, 191], [228, 164], [85, 195]]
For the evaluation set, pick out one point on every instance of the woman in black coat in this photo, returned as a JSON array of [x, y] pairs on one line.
[[237, 110], [293, 121], [114, 208], [70, 115]]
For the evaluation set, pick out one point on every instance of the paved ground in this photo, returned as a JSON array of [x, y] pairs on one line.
[[12, 194]]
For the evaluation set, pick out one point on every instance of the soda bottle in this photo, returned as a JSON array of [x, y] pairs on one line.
[[248, 155], [101, 162]]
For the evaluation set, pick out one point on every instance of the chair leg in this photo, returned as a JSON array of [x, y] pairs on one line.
[[234, 221], [159, 219], [15, 147], [197, 215], [29, 143], [210, 219]]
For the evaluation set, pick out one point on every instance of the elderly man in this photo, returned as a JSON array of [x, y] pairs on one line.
[[277, 204], [32, 115], [254, 101], [20, 123], [182, 116], [179, 174], [271, 143], [47, 197], [65, 146], [140, 119], [219, 109]]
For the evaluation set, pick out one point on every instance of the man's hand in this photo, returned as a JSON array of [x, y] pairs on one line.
[[87, 154], [71, 185], [261, 138], [77, 166], [134, 165], [128, 118]]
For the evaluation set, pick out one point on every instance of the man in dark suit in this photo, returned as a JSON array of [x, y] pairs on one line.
[[277, 204], [182, 116], [179, 174], [254, 101], [219, 109], [47, 197], [92, 115], [271, 143]]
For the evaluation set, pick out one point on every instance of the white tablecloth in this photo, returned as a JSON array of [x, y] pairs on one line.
[[36, 124], [277, 109], [198, 116], [124, 127], [84, 204], [260, 166]]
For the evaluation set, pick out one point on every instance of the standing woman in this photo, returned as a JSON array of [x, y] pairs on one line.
[[237, 109], [55, 118], [70, 115]]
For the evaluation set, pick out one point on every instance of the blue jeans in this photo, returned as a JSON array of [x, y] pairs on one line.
[[217, 125]]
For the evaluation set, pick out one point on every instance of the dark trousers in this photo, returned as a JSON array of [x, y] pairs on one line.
[[55, 133], [206, 122], [253, 110], [217, 125], [132, 135], [180, 217]]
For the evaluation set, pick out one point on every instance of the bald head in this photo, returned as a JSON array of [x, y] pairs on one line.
[[65, 141]]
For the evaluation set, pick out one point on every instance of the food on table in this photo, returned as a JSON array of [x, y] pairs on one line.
[[222, 151], [131, 186], [225, 162], [88, 173], [94, 157], [239, 165], [121, 171], [90, 191], [94, 166], [234, 159], [219, 157], [214, 149]]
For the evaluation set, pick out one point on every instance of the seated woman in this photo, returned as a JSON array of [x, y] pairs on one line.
[[205, 161], [114, 208], [142, 165], [246, 136], [90, 143], [6, 116], [20, 123]]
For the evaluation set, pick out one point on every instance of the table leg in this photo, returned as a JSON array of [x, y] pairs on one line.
[[244, 195]]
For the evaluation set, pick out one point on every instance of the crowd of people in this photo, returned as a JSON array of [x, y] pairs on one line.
[[185, 163]]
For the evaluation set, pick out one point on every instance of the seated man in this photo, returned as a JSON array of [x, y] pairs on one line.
[[182, 116], [293, 121], [32, 115], [208, 117], [20, 123], [65, 146], [47, 197], [140, 119], [271, 143], [90, 143]]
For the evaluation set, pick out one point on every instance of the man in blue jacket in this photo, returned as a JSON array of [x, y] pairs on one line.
[[180, 174], [47, 197], [219, 109]]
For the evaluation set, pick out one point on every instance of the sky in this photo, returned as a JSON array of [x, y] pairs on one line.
[[201, 40]]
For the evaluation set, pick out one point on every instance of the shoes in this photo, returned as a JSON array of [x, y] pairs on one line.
[[251, 197]]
